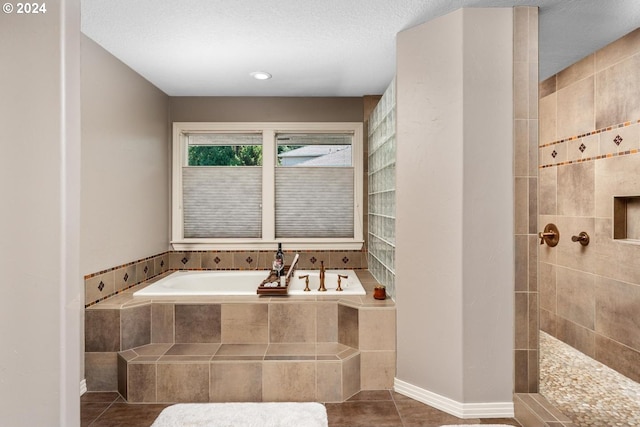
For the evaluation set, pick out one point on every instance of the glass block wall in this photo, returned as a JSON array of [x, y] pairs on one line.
[[382, 190]]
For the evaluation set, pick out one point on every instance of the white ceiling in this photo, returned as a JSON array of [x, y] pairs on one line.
[[313, 47]]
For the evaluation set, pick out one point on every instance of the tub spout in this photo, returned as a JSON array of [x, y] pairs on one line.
[[322, 288]]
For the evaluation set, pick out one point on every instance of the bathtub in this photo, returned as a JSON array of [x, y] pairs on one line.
[[245, 282]]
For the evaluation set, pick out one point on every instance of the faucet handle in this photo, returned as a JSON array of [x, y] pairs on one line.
[[306, 282], [340, 277]]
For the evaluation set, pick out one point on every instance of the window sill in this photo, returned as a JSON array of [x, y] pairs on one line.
[[288, 244]]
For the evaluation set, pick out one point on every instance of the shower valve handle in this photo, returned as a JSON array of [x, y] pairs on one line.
[[582, 238], [550, 235]]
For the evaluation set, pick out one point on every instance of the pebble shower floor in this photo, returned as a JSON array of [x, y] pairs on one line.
[[585, 390]]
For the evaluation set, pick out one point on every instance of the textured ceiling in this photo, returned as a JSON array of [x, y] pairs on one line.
[[313, 47]]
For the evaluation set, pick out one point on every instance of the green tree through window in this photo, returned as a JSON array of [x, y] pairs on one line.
[[225, 155]]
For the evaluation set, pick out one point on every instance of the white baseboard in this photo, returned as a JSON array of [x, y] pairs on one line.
[[83, 387], [450, 406]]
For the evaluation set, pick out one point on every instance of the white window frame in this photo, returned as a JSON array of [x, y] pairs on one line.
[[269, 131]]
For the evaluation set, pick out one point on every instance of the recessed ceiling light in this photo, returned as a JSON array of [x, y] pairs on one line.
[[261, 75]]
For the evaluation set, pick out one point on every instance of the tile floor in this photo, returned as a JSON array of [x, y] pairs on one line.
[[585, 390], [378, 408]]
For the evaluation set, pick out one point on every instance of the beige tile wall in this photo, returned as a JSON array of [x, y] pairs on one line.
[[526, 198], [103, 284], [589, 140]]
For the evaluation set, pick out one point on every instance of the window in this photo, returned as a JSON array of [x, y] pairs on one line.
[[249, 185], [222, 185], [314, 185]]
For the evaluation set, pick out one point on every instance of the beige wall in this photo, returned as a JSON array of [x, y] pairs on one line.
[[40, 171], [125, 163], [589, 140], [454, 247], [266, 109]]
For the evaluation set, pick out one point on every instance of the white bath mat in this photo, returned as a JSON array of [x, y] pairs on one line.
[[264, 414]]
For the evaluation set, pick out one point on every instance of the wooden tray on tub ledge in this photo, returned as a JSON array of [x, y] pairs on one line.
[[271, 285]]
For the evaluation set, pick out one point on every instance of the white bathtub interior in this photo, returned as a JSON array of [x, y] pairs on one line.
[[245, 282]]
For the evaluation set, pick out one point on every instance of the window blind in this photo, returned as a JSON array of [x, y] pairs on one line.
[[222, 202], [314, 202]]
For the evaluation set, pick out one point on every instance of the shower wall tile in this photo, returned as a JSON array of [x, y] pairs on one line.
[[548, 187], [533, 146], [533, 323], [521, 35], [619, 357], [547, 87], [576, 335], [576, 296], [528, 115], [576, 185], [575, 114], [548, 293], [576, 72], [583, 148], [532, 262], [553, 154], [521, 263], [616, 311], [548, 322], [572, 254], [521, 210], [620, 140], [548, 117], [521, 320], [615, 176], [619, 50], [521, 90], [533, 205], [618, 93]]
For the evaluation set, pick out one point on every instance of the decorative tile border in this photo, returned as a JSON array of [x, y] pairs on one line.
[[595, 132], [113, 281], [591, 146]]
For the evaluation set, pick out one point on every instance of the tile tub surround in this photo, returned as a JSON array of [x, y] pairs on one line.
[[104, 284], [336, 345], [588, 154]]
